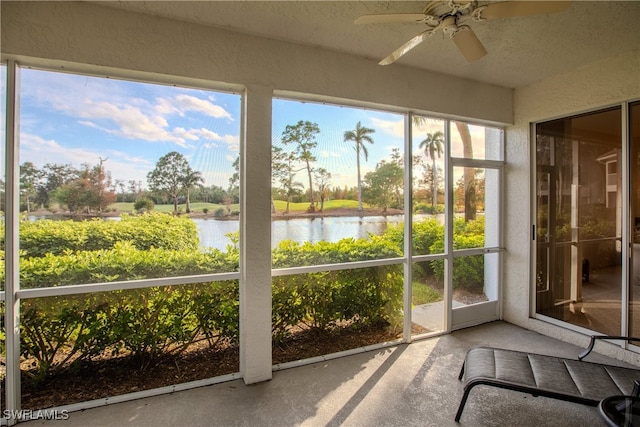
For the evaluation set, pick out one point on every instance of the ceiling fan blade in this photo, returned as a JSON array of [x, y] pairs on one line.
[[391, 17], [468, 44], [508, 9], [396, 54]]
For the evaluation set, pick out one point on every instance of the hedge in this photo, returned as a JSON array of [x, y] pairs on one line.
[[153, 230], [146, 323]]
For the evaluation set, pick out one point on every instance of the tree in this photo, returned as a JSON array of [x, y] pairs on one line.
[[90, 191], [303, 135], [433, 146], [234, 181], [100, 182], [190, 180], [55, 176], [359, 136], [30, 177], [381, 186], [323, 179], [283, 172], [168, 176]]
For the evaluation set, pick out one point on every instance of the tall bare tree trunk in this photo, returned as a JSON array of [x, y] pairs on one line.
[[469, 173], [312, 207], [434, 177]]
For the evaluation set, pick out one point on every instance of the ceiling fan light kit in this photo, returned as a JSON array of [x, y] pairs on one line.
[[450, 16]]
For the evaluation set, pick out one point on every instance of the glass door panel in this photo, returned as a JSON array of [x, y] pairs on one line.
[[428, 170], [579, 220]]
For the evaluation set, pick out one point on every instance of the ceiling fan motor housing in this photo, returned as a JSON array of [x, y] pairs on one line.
[[449, 25]]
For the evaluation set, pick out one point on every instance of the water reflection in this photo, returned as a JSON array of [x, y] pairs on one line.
[[331, 229]]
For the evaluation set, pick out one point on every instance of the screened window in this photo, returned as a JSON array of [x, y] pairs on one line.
[[126, 167], [337, 176]]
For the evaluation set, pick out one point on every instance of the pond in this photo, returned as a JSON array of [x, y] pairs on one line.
[[213, 232]]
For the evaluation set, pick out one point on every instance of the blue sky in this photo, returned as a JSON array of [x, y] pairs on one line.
[[74, 119]]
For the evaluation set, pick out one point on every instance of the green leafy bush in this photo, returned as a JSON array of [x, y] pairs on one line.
[[54, 237], [468, 271], [143, 204], [425, 233], [141, 323], [325, 299], [293, 254], [145, 323], [123, 262]]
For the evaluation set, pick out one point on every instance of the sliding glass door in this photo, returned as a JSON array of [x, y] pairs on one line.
[[578, 230]]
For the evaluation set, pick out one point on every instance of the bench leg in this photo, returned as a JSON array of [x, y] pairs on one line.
[[462, 403], [461, 372]]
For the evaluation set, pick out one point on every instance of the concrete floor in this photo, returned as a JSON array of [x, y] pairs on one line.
[[406, 385]]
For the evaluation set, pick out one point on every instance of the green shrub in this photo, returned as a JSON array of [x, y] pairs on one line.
[[54, 237], [293, 254], [143, 204], [145, 323], [468, 271], [428, 209], [425, 233], [323, 300], [123, 262]]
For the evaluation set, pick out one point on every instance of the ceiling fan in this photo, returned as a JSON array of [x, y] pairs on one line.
[[450, 17]]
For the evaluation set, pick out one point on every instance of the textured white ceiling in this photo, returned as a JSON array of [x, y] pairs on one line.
[[521, 50]]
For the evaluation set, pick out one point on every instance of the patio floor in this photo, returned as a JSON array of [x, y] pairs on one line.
[[405, 385]]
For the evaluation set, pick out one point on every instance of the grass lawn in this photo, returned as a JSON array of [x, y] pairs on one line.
[[195, 207], [281, 205], [424, 294]]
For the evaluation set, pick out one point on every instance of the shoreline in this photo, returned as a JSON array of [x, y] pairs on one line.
[[340, 212]]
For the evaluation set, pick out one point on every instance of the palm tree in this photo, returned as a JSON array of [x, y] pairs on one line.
[[433, 146], [360, 135], [190, 180]]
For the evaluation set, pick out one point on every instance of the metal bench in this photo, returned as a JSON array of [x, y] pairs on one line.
[[540, 375]]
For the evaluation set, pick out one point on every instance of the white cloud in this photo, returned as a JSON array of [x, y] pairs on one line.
[[191, 103], [131, 122], [232, 141], [427, 125], [391, 127], [330, 154], [180, 104], [114, 108], [40, 151], [209, 134]]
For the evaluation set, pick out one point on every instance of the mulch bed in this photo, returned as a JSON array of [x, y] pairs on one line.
[[116, 376]]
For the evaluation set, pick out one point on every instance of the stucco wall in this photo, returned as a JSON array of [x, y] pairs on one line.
[[93, 34], [601, 84]]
